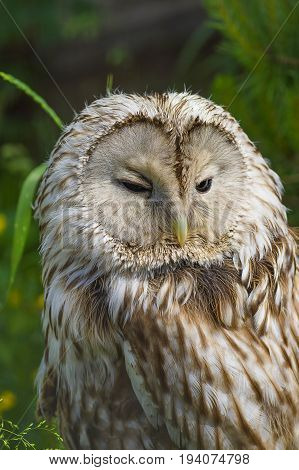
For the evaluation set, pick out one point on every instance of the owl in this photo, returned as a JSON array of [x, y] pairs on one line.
[[171, 315]]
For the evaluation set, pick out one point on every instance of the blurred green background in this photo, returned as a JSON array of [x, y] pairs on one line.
[[243, 54]]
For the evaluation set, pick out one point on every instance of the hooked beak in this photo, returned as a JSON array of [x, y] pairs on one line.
[[180, 229]]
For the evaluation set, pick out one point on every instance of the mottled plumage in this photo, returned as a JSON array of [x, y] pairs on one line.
[[171, 314]]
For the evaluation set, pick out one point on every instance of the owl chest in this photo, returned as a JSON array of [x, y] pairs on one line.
[[176, 354], [190, 296], [209, 382]]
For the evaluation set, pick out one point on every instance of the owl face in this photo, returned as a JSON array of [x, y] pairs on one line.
[[157, 181], [151, 188]]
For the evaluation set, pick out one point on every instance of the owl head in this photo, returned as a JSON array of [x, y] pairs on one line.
[[144, 182]]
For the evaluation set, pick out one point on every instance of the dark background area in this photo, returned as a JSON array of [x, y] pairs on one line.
[[80, 42], [244, 55]]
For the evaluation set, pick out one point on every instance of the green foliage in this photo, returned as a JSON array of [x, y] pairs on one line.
[[190, 50], [117, 55], [23, 213], [23, 217], [50, 22], [15, 159], [14, 437], [109, 83], [38, 99], [15, 163], [260, 83]]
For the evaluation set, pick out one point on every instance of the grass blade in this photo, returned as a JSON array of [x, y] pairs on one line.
[[23, 218], [38, 99], [109, 83]]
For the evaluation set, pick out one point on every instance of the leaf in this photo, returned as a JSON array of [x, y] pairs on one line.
[[109, 83], [37, 98], [23, 218]]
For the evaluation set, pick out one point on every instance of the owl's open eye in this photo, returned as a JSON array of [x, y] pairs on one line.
[[204, 185], [135, 187]]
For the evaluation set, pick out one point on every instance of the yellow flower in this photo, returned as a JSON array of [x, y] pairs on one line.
[[39, 303], [7, 400], [3, 223], [14, 298]]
